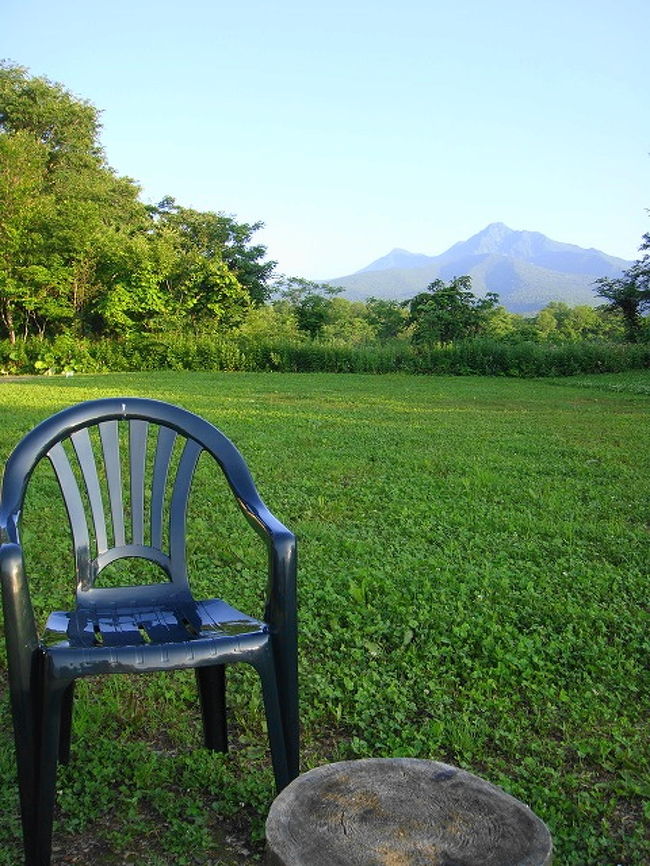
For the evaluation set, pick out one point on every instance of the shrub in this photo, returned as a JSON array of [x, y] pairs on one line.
[[232, 351]]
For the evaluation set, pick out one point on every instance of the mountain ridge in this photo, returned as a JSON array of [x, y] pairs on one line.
[[526, 269]]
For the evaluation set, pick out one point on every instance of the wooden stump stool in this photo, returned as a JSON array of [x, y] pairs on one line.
[[401, 812]]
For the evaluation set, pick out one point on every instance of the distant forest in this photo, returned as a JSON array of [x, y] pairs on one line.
[[83, 260]]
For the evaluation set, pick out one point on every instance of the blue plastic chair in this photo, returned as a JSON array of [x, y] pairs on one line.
[[135, 629]]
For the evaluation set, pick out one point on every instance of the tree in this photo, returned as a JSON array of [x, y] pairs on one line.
[[629, 296], [22, 206], [558, 322], [447, 312], [79, 251], [271, 322], [67, 126], [310, 301], [215, 236], [387, 317], [347, 323], [630, 293], [312, 314], [59, 202], [500, 324]]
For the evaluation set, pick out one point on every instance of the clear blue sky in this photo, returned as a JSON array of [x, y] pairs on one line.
[[354, 126]]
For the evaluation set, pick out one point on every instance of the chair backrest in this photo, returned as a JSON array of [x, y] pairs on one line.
[[157, 498]]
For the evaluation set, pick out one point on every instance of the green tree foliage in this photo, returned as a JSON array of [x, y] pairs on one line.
[[271, 322], [66, 126], [500, 324], [309, 301], [23, 162], [311, 314], [61, 206], [630, 293], [347, 323], [218, 239], [558, 322], [79, 252], [446, 312], [388, 318]]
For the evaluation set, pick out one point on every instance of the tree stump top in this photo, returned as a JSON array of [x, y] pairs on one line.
[[401, 812]]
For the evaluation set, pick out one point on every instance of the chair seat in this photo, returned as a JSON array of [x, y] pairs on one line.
[[179, 632]]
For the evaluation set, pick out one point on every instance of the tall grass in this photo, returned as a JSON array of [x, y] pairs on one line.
[[231, 353]]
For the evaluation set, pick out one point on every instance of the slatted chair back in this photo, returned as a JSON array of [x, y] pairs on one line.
[[124, 494]]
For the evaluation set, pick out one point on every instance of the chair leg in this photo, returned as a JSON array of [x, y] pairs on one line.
[[53, 698], [25, 706], [286, 668], [66, 724], [211, 682], [265, 667], [24, 668]]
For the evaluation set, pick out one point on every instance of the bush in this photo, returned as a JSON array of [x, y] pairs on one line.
[[231, 352], [63, 354]]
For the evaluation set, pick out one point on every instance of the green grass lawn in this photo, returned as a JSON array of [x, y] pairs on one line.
[[473, 589]]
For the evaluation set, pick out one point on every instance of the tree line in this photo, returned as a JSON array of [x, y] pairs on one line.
[[80, 253], [82, 256]]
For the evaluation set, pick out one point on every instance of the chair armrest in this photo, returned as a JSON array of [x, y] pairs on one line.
[[16, 601], [280, 611]]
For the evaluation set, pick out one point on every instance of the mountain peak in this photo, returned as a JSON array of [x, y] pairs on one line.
[[498, 239], [496, 228], [397, 258]]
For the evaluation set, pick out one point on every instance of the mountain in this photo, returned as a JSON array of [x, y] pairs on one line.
[[397, 259], [526, 269]]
